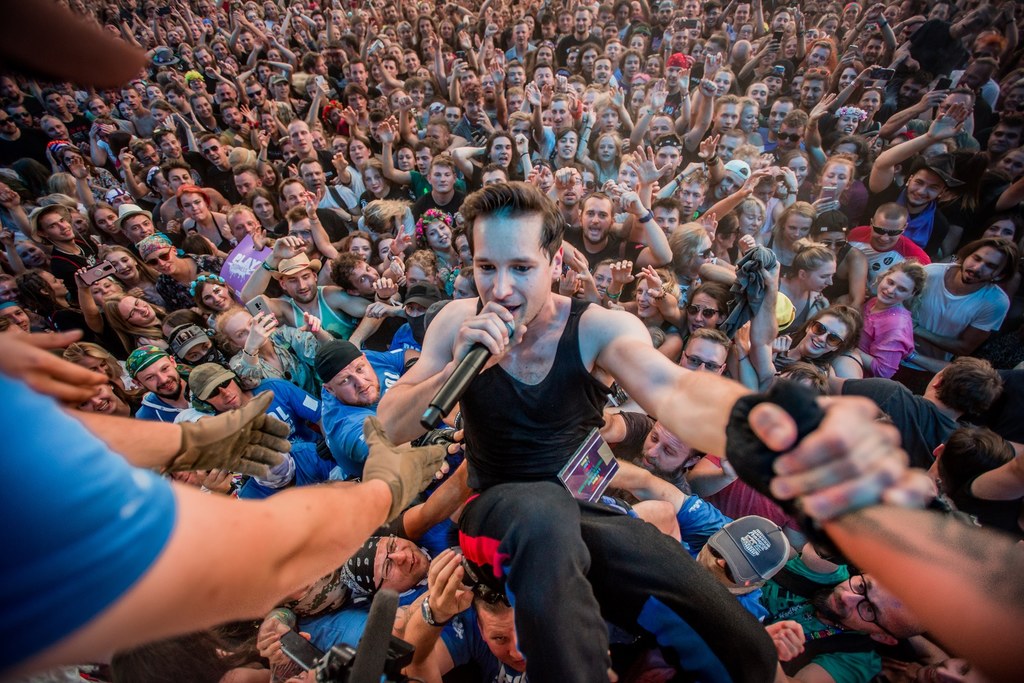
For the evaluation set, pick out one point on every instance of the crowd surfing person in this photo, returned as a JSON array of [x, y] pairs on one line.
[[822, 192]]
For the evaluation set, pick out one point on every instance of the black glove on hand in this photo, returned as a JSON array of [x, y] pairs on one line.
[[753, 460], [246, 440], [407, 470]]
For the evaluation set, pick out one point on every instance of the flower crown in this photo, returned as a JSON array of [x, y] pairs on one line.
[[431, 216], [203, 279], [858, 114]]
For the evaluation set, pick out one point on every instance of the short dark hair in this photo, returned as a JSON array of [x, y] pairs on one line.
[[969, 385], [516, 199], [969, 452], [342, 267]]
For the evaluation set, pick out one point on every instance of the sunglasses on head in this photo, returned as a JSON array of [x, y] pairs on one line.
[[706, 313], [831, 338], [888, 233], [791, 137], [166, 256]]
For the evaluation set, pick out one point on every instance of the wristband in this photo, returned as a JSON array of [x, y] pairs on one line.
[[267, 267], [648, 217], [614, 297], [712, 160], [428, 614]]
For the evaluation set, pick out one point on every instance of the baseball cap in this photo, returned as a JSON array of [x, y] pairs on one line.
[[831, 221], [205, 378], [423, 294], [184, 338], [754, 548], [740, 169]]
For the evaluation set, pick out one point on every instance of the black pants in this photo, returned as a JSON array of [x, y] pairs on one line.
[[569, 566]]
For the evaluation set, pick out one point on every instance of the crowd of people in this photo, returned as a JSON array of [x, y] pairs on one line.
[[312, 210]]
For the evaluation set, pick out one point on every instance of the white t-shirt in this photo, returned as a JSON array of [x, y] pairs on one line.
[[943, 313]]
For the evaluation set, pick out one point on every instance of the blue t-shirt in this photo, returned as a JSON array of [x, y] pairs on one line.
[[293, 406], [347, 624], [465, 644], [343, 424], [80, 523]]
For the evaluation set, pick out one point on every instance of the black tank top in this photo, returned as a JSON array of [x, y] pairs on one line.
[[522, 432]]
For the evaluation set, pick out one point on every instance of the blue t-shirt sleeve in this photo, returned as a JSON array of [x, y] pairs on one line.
[[699, 520], [390, 362], [83, 524], [300, 403]]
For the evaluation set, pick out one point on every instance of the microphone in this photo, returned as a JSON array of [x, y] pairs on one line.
[[453, 389], [373, 647]]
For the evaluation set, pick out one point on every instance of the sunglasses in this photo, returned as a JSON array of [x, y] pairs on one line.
[[791, 137], [706, 313], [833, 244], [888, 233], [831, 338], [694, 363], [166, 256], [220, 387], [707, 253], [4, 122]]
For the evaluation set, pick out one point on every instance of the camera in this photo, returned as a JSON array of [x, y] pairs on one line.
[[381, 656], [337, 665]]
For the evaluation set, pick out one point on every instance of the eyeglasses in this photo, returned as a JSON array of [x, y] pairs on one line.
[[866, 609], [385, 569], [705, 312], [831, 338], [791, 137], [707, 253], [888, 233], [165, 256], [4, 122], [694, 363]]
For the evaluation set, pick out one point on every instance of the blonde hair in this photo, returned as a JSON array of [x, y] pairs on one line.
[[77, 351], [127, 332]]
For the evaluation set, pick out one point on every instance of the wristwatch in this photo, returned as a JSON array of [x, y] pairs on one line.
[[428, 615]]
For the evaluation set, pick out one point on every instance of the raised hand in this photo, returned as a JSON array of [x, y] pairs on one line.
[[644, 165], [949, 124], [622, 272], [822, 107], [708, 147]]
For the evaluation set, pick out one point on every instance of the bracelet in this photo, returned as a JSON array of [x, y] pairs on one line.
[[267, 267], [712, 160], [251, 355], [657, 298], [614, 297], [648, 217]]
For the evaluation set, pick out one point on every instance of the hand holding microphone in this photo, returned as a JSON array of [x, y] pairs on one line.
[[491, 339]]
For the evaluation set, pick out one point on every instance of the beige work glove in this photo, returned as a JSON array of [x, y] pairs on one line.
[[407, 470], [246, 440]]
